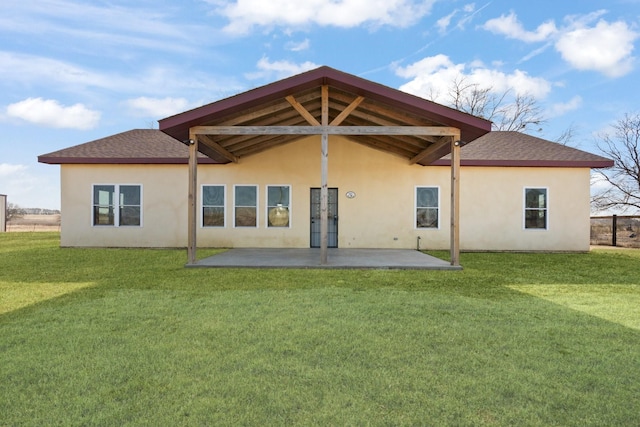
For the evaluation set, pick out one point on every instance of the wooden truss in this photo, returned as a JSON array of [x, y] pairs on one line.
[[440, 140]]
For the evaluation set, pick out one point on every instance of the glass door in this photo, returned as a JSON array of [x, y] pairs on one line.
[[332, 216]]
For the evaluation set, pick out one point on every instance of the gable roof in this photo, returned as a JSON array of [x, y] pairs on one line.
[[138, 146], [502, 149], [510, 148], [271, 105]]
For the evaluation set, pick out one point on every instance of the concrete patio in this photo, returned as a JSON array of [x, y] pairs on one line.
[[404, 259]]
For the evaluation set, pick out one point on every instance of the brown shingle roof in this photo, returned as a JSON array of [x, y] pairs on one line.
[[150, 146], [502, 148], [138, 146]]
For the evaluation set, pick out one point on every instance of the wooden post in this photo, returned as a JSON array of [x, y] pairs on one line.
[[614, 230], [455, 201], [324, 180], [193, 199]]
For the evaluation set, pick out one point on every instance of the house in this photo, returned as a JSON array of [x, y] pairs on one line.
[[325, 159]]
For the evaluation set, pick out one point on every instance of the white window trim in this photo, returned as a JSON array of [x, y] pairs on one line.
[[415, 208], [224, 207], [266, 205], [524, 208], [257, 205], [116, 207]]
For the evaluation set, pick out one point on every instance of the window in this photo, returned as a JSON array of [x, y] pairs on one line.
[[246, 202], [535, 208], [278, 205], [213, 197], [427, 207], [117, 205]]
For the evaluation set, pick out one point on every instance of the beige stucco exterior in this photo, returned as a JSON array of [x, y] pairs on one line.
[[492, 209], [381, 215]]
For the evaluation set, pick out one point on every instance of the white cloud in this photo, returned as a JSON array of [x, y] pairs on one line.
[[246, 14], [564, 107], [50, 113], [279, 69], [299, 46], [444, 22], [17, 183], [28, 189], [158, 107], [605, 48], [154, 80], [29, 68], [7, 169], [113, 25], [468, 12], [433, 76], [511, 27]]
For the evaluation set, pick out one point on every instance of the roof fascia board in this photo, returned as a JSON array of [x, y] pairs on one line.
[[121, 160], [596, 164], [472, 126]]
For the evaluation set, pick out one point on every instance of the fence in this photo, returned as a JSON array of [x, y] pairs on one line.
[[34, 223], [616, 230]]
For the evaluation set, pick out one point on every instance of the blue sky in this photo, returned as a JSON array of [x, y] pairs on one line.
[[72, 71]]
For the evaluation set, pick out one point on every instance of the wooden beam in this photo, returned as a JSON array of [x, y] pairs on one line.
[[329, 130], [432, 152], [251, 115], [455, 201], [209, 142], [193, 199], [384, 144], [345, 113], [324, 180], [417, 141], [265, 145], [303, 111], [380, 111]]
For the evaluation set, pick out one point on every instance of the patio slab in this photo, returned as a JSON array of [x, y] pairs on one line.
[[336, 258]]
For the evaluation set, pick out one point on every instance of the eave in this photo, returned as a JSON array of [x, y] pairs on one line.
[[294, 103]]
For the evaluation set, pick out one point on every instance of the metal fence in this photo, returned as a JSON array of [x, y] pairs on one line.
[[616, 230]]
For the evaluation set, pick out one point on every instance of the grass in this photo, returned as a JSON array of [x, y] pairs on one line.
[[130, 337]]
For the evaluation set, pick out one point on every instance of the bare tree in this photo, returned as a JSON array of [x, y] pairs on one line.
[[623, 179], [14, 211], [507, 111], [567, 136]]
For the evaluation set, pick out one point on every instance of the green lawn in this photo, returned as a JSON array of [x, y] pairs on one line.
[[131, 337]]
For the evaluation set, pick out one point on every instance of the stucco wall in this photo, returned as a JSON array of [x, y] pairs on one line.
[[492, 206], [380, 216], [164, 213]]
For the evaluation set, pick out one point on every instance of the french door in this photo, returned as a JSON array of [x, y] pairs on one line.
[[332, 217]]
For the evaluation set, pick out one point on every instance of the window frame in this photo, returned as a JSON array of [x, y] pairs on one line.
[[235, 206], [268, 206], [416, 207], [224, 206], [117, 206], [525, 209]]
